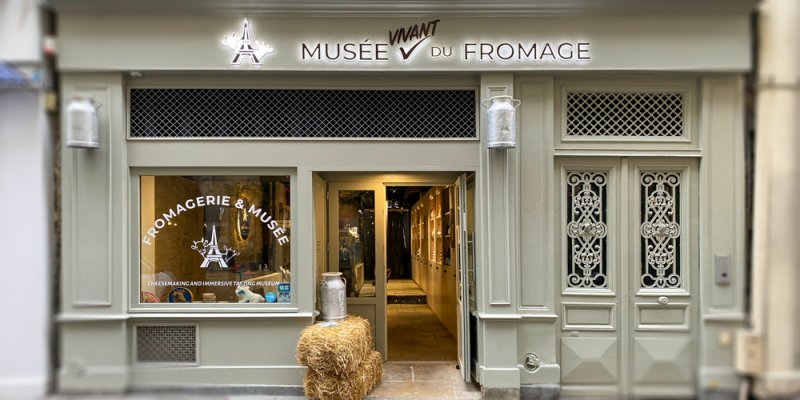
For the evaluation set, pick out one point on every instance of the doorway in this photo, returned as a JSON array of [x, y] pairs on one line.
[[420, 272], [397, 239]]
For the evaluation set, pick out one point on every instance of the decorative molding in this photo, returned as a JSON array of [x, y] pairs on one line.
[[498, 317], [727, 317], [610, 325], [626, 153], [103, 96], [535, 223], [499, 165], [70, 318], [545, 317]]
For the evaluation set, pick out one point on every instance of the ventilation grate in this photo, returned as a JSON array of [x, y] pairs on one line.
[[625, 114], [166, 343], [302, 113]]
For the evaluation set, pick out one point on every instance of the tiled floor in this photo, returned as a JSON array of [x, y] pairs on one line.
[[415, 334]]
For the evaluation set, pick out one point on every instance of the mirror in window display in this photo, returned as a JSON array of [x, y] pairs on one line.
[[215, 239], [357, 241]]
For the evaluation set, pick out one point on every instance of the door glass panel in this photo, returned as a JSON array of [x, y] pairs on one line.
[[586, 230], [357, 241], [660, 230]]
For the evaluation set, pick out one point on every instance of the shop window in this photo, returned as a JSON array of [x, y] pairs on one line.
[[215, 239]]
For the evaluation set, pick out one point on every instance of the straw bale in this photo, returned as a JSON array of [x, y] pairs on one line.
[[353, 386], [338, 349]]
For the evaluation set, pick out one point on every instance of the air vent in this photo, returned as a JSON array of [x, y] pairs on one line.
[[166, 344], [640, 114], [302, 114]]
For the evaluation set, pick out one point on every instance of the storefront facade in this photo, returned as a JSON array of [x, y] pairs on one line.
[[603, 255]]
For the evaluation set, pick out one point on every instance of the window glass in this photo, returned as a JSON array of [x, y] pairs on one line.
[[357, 241], [215, 239]]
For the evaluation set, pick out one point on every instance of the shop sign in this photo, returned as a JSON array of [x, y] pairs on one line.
[[203, 246], [417, 42], [243, 48]]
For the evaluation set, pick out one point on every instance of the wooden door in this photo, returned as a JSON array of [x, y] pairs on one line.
[[627, 230]]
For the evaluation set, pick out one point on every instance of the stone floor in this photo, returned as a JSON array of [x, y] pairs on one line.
[[415, 334], [424, 380]]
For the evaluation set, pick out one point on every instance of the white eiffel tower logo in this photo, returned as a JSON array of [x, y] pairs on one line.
[[211, 253], [243, 48]]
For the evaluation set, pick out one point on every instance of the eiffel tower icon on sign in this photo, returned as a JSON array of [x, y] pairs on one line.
[[211, 253], [245, 47]]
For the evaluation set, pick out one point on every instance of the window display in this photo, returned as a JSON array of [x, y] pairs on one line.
[[215, 239]]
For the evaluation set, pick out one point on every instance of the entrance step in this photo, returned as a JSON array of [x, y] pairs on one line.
[[404, 291], [406, 299]]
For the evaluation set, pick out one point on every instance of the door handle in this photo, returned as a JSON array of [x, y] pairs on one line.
[[663, 300]]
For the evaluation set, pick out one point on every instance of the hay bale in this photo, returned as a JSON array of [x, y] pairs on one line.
[[352, 386], [338, 349]]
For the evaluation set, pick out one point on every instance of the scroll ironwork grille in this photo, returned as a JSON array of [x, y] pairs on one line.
[[166, 343], [586, 230], [302, 113], [641, 114], [661, 230]]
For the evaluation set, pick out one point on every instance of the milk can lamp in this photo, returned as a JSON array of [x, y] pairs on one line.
[[501, 122], [82, 130]]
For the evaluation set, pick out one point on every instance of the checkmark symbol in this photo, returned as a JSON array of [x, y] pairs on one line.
[[411, 50]]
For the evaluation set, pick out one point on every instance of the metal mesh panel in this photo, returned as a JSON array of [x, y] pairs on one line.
[[625, 114], [302, 113], [166, 343]]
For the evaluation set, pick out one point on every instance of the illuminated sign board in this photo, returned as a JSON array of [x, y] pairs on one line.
[[407, 45]]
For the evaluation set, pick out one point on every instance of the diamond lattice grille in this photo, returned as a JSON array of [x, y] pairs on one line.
[[625, 114], [166, 343], [302, 113]]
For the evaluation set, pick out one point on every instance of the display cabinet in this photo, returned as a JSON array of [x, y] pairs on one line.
[[434, 264]]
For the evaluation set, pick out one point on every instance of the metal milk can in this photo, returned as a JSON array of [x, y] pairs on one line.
[[502, 120], [333, 296], [82, 123]]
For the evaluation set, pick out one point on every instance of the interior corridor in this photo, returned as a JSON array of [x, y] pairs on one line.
[[415, 334]]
